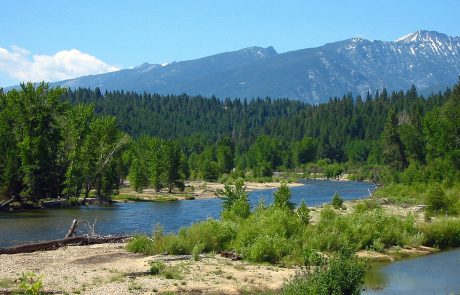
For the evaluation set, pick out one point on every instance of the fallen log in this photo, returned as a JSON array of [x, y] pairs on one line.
[[231, 255], [4, 203], [54, 244]]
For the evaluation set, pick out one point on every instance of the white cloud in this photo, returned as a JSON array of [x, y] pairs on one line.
[[66, 64]]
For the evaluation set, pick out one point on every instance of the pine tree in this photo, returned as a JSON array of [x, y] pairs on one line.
[[393, 149]]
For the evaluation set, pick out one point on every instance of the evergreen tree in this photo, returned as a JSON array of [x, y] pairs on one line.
[[282, 197], [393, 149]]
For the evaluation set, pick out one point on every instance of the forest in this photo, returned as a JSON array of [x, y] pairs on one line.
[[63, 143]]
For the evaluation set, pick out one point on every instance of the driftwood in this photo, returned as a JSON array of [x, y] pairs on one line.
[[4, 203], [69, 239], [72, 229], [54, 244], [231, 255]]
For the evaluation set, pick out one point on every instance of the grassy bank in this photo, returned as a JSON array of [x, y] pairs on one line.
[[282, 235]]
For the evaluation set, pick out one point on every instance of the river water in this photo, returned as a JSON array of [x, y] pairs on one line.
[[140, 217], [433, 274]]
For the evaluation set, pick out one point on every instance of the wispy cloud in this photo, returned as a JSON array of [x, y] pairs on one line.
[[20, 64]]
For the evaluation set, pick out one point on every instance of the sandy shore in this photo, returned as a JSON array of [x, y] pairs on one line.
[[110, 269], [195, 190]]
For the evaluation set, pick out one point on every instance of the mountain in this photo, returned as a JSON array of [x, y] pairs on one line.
[[427, 59]]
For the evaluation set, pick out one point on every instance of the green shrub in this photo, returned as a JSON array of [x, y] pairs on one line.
[[333, 171], [360, 230], [30, 283], [437, 201], [303, 213], [442, 233], [168, 272], [172, 273], [403, 194], [197, 250], [366, 205], [337, 201], [268, 234], [343, 274], [74, 201], [140, 244], [156, 267], [235, 200], [282, 197], [211, 234]]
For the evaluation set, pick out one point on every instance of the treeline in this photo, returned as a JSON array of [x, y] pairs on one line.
[[198, 122], [68, 143], [264, 135]]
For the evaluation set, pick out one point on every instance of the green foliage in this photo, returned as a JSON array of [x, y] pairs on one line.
[[333, 171], [282, 197], [140, 244], [437, 201], [303, 213], [235, 200], [168, 272], [367, 205], [402, 193], [304, 151], [268, 235], [337, 201], [156, 267], [205, 236], [357, 151], [343, 274], [393, 148], [30, 284], [442, 233], [138, 175], [360, 230], [197, 250]]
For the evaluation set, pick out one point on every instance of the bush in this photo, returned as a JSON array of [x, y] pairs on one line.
[[235, 200], [141, 244], [303, 213], [282, 197], [30, 283], [367, 205], [337, 202], [156, 267], [343, 274], [333, 171], [268, 235], [197, 250], [437, 201], [360, 230], [212, 235], [443, 233]]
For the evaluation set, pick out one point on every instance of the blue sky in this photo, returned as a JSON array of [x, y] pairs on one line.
[[53, 40]]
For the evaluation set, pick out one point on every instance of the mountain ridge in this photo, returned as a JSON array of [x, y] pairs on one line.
[[427, 59]]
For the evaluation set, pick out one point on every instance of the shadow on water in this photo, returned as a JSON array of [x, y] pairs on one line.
[[141, 217]]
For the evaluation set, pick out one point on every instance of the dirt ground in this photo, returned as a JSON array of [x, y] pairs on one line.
[[110, 269]]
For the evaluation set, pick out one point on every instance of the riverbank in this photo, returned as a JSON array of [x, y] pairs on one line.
[[193, 190], [109, 268]]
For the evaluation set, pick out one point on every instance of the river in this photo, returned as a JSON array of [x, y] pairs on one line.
[[433, 274], [140, 217]]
